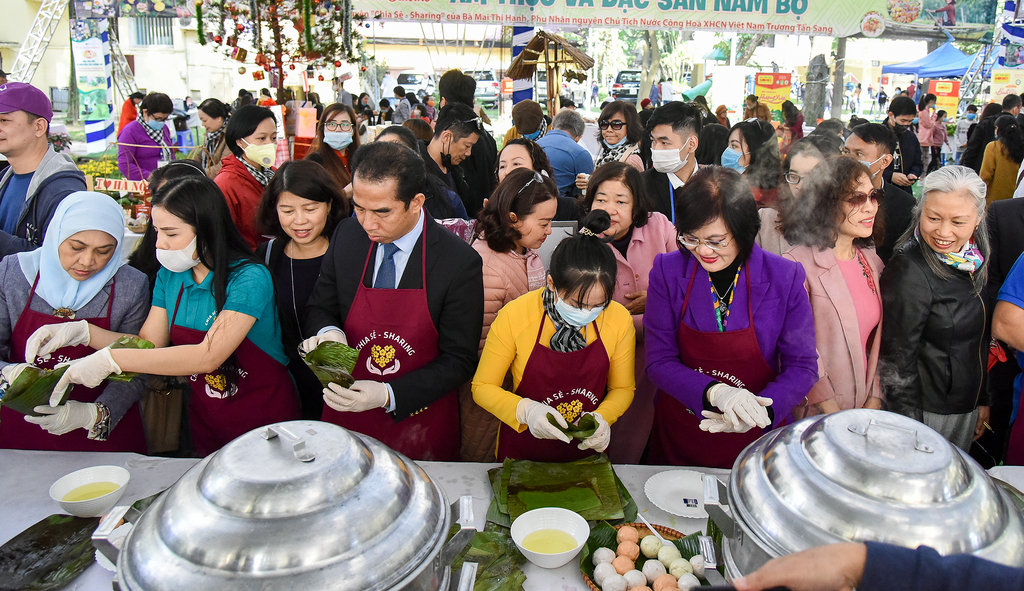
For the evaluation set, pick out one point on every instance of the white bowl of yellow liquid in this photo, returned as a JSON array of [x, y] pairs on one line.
[[550, 537], [90, 492]]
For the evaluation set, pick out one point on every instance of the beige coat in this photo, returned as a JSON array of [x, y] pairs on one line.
[[506, 277], [844, 376]]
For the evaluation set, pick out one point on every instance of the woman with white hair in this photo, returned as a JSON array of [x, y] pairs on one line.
[[933, 318]]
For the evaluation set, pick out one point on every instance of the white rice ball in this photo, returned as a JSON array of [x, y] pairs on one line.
[[615, 582], [635, 578], [667, 554], [680, 567], [603, 555], [650, 546], [688, 581], [697, 563], [602, 571], [652, 570]]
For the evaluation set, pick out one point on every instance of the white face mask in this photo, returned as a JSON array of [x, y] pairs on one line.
[[667, 161], [177, 261]]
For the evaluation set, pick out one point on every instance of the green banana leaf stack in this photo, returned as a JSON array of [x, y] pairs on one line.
[[333, 362], [588, 487], [48, 555], [128, 342], [498, 562]]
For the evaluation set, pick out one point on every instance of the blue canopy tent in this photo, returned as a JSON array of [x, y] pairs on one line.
[[945, 62]]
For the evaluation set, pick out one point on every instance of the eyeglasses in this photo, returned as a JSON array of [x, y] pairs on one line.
[[616, 125], [793, 178], [692, 242], [338, 126], [536, 178], [860, 198]]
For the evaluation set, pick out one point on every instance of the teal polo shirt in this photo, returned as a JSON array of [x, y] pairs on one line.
[[250, 291]]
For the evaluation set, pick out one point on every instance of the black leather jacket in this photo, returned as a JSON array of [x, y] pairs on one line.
[[933, 332]]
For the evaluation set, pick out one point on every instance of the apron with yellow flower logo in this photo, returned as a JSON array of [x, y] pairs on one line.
[[251, 389], [571, 383], [395, 335]]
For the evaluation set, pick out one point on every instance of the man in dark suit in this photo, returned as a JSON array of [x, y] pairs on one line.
[[409, 295], [985, 132], [673, 128], [873, 144], [458, 88], [906, 165]]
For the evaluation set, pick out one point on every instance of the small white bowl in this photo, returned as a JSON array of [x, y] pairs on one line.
[[550, 518], [92, 507]]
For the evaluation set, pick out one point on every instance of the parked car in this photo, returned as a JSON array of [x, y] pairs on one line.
[[626, 86], [416, 81], [541, 86], [488, 86]]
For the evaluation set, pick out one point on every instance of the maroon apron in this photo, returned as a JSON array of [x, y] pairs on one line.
[[250, 390], [734, 358], [394, 327], [17, 433], [572, 393]]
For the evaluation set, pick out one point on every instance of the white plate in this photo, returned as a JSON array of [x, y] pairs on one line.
[[679, 492]]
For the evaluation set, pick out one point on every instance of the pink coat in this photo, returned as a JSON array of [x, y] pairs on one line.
[[837, 331], [655, 237], [507, 275], [925, 128]]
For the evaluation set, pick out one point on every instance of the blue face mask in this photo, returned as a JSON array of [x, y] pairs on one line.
[[577, 317], [621, 142], [339, 140], [971, 116], [532, 136], [155, 125], [731, 159]]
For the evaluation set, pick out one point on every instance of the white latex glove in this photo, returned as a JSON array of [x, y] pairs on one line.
[[535, 416], [363, 395], [90, 371], [49, 338], [740, 406], [601, 438], [66, 417], [332, 335], [9, 373], [717, 423]]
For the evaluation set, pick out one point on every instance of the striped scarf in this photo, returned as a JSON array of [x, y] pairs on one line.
[[567, 338], [263, 175], [212, 138], [967, 260], [158, 137]]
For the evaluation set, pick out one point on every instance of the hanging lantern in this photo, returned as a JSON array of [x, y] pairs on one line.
[[362, 69], [337, 63], [266, 67], [240, 27], [320, 78], [241, 69], [218, 38], [291, 66]]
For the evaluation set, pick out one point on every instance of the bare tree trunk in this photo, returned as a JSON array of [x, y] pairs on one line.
[[746, 52], [814, 90], [839, 79], [650, 62]]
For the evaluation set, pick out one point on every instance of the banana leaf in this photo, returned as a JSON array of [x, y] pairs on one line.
[[333, 362], [585, 486], [48, 555], [583, 428], [32, 388], [495, 517], [629, 508], [498, 562], [602, 535], [128, 342]]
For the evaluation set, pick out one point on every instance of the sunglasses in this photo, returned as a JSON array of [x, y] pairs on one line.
[[536, 178], [860, 198], [616, 125]]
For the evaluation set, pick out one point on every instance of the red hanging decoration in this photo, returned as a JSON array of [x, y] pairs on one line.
[[337, 63], [320, 78], [291, 66]]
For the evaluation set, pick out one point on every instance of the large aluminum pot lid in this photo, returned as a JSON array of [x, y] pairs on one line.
[[335, 510], [871, 475]]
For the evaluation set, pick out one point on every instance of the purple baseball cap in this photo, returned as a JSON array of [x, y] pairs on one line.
[[18, 96]]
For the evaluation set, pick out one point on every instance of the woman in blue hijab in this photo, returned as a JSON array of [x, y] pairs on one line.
[[75, 279]]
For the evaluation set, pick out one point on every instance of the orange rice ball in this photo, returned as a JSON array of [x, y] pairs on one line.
[[622, 564], [665, 583], [628, 549], [641, 588], [628, 533]]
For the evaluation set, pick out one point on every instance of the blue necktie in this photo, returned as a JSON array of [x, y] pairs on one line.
[[386, 274]]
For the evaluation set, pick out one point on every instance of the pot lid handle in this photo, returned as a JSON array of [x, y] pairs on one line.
[[466, 579], [298, 443], [462, 514], [917, 440]]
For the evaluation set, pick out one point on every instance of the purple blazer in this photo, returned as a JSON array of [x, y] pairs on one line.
[[783, 322], [136, 163]]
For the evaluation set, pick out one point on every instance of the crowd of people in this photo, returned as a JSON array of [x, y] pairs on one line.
[[723, 280]]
